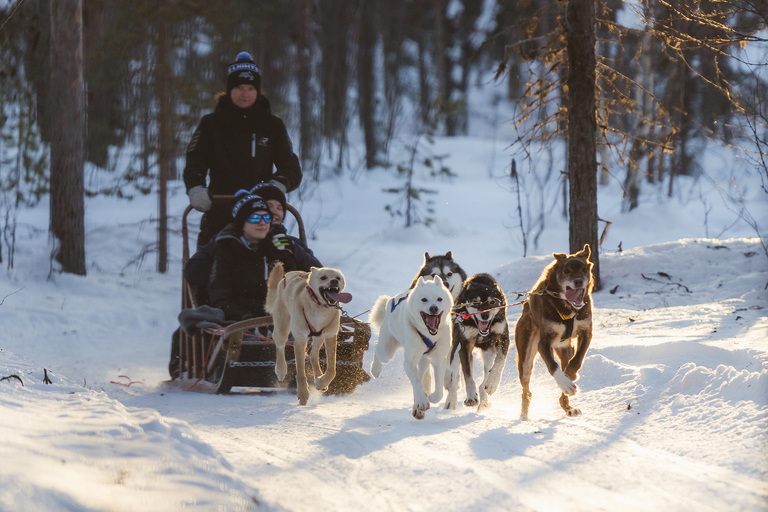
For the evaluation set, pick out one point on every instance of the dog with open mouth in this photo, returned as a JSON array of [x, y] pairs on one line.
[[307, 304], [557, 322], [419, 320], [480, 322]]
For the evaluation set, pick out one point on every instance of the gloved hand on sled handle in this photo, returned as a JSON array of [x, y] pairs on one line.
[[282, 243], [199, 198]]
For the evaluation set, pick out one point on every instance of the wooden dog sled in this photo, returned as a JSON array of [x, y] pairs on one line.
[[216, 360]]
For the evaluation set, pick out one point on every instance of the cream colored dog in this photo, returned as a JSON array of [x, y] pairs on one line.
[[307, 305]]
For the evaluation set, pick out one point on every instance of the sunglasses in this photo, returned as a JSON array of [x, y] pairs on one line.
[[255, 218]]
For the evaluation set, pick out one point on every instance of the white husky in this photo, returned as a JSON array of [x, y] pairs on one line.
[[419, 320]]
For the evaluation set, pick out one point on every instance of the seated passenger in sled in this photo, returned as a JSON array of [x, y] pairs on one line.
[[276, 246]]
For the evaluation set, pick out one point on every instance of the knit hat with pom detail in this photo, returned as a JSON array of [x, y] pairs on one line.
[[243, 71]]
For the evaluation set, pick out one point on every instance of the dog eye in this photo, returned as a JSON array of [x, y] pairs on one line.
[[449, 274], [439, 299], [423, 299], [323, 278]]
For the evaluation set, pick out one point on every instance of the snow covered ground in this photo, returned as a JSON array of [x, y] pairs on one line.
[[674, 389]]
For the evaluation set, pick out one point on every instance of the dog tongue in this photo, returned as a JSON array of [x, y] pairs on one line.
[[342, 297], [482, 326], [574, 295]]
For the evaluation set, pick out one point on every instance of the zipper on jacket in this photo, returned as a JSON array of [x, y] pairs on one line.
[[253, 146]]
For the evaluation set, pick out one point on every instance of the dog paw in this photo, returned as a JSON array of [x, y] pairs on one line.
[[471, 402], [323, 382], [484, 404], [450, 404], [281, 370], [566, 385], [303, 395], [524, 416], [436, 396], [419, 407], [572, 374], [491, 387], [572, 412], [376, 368]]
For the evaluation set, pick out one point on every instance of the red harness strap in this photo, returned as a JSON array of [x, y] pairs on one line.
[[465, 316]]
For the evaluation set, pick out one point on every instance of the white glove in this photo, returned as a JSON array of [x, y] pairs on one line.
[[199, 198]]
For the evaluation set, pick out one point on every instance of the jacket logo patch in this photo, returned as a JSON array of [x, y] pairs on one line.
[[264, 141]]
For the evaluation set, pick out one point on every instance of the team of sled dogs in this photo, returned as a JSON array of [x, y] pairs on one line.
[[440, 321]]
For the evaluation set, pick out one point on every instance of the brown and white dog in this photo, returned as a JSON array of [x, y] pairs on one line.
[[557, 321], [307, 305]]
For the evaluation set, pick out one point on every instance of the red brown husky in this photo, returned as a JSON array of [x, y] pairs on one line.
[[557, 321]]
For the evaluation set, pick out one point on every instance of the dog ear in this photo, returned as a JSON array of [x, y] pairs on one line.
[[449, 255], [585, 253], [559, 256], [426, 257]]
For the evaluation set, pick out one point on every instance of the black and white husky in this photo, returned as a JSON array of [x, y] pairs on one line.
[[446, 268], [480, 322]]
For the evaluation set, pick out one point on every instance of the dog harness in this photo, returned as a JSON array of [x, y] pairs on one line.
[[395, 304], [312, 331], [568, 322], [428, 342]]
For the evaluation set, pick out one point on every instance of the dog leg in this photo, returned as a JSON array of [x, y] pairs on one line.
[[281, 329], [565, 404], [302, 389], [565, 384], [415, 366], [426, 380], [489, 373], [492, 380], [574, 365], [386, 346], [438, 366], [452, 376], [526, 341], [467, 370], [330, 370]]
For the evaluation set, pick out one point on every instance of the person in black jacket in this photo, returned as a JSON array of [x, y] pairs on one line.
[[236, 147]]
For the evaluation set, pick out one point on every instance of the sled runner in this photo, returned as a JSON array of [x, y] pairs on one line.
[[242, 354]]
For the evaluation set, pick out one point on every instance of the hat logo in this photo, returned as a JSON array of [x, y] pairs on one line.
[[246, 74]]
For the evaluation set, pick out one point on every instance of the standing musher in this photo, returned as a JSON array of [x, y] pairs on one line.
[[241, 144]]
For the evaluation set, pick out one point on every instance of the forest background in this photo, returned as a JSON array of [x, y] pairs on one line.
[[669, 79]]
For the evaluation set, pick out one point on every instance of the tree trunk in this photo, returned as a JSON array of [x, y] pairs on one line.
[[309, 133], [582, 160], [164, 153], [366, 47], [67, 223]]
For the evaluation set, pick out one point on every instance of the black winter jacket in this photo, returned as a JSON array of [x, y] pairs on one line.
[[241, 147], [197, 271], [238, 279]]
